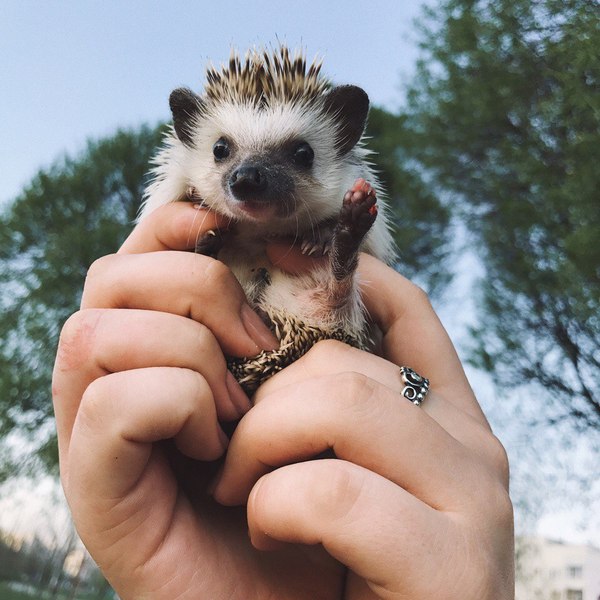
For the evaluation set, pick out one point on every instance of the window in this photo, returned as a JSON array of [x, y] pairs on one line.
[[575, 571], [574, 594]]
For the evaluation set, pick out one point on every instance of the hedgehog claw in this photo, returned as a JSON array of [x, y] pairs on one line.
[[319, 243]]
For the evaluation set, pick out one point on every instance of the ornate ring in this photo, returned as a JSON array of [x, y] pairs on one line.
[[415, 386]]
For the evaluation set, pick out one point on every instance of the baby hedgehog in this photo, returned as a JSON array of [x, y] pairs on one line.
[[276, 148]]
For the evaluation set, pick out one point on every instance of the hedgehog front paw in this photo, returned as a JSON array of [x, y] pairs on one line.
[[359, 209], [314, 248], [210, 243], [358, 213]]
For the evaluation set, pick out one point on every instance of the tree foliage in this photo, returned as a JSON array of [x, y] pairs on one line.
[[422, 222], [68, 215], [83, 208], [505, 113]]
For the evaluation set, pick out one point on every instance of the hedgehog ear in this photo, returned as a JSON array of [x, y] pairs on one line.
[[349, 106], [185, 106]]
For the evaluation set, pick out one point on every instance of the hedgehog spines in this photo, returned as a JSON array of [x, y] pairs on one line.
[[265, 78]]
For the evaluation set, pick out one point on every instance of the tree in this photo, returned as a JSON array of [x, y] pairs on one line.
[[83, 208], [505, 114], [422, 221], [68, 215]]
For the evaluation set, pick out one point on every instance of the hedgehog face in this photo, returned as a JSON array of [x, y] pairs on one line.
[[270, 140], [263, 164]]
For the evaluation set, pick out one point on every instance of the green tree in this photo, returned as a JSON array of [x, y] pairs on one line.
[[66, 217], [83, 208], [422, 222], [505, 114]]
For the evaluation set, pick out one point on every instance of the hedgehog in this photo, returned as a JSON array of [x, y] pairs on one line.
[[278, 149]]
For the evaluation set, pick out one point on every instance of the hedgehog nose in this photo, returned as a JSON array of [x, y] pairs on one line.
[[247, 182]]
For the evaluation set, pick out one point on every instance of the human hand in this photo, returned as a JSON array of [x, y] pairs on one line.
[[416, 504], [142, 509], [140, 364]]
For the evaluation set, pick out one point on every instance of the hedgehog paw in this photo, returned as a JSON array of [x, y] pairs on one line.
[[358, 213], [359, 209], [319, 244], [210, 243]]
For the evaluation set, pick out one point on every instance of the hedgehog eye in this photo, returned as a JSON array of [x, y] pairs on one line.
[[304, 155], [221, 149]]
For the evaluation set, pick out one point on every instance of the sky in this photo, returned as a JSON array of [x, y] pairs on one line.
[[75, 70]]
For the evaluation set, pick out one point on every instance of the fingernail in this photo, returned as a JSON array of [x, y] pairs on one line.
[[237, 395], [257, 330]]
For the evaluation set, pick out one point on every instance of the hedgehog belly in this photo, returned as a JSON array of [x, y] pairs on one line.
[[296, 339]]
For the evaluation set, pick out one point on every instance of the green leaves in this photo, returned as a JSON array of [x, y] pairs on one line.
[[506, 119], [421, 221], [67, 216]]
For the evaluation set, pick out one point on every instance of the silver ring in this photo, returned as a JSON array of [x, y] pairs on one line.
[[415, 386]]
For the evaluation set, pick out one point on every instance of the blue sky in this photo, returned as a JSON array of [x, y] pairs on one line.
[[77, 69]]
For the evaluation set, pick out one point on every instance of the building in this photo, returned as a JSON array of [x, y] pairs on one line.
[[552, 570]]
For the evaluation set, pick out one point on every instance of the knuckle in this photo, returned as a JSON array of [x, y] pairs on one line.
[[205, 343], [498, 458], [326, 350], [494, 497], [354, 386], [419, 295], [505, 510], [200, 389], [218, 277], [96, 275], [94, 394], [76, 339], [498, 505], [100, 266], [356, 394], [94, 414], [336, 489], [193, 392]]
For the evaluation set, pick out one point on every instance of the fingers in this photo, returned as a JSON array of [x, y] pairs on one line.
[[413, 334], [181, 283], [122, 414], [400, 546], [174, 226], [359, 517], [92, 344], [177, 226], [363, 422], [331, 357], [332, 394]]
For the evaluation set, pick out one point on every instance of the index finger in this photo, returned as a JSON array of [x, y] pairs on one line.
[[173, 226]]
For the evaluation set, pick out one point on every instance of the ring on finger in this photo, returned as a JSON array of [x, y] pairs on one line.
[[415, 386]]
